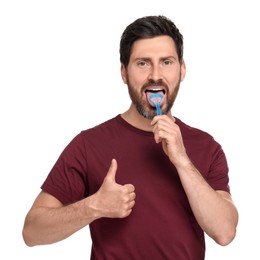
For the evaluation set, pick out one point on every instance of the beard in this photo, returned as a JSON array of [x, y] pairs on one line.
[[142, 106]]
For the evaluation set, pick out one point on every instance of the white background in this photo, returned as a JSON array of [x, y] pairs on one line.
[[59, 74]]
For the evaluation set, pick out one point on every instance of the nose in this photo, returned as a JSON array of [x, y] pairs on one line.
[[155, 73]]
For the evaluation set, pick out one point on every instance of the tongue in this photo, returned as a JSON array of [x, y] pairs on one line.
[[154, 99]]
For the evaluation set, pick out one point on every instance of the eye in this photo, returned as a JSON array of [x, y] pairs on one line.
[[143, 64], [167, 62]]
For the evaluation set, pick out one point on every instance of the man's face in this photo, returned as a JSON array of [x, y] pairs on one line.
[[153, 67]]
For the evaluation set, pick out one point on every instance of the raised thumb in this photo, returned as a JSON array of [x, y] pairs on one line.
[[111, 174]]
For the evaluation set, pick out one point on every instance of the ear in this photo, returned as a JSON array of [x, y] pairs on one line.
[[183, 70], [123, 73]]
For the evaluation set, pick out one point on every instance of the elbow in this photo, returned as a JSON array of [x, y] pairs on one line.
[[27, 241], [26, 238], [227, 233], [29, 235], [225, 238]]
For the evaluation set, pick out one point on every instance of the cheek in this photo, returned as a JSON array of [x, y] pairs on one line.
[[135, 82], [174, 78], [138, 76]]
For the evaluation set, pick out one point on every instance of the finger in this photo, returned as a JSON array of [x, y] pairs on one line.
[[111, 174], [157, 136], [164, 119], [132, 196], [130, 187], [131, 205], [155, 119]]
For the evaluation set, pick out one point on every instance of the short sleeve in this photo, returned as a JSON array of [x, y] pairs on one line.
[[67, 179]]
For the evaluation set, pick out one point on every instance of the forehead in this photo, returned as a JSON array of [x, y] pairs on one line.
[[161, 46]]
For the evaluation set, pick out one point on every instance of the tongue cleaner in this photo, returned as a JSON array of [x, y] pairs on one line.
[[156, 99]]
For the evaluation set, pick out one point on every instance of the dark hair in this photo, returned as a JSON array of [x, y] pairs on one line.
[[148, 27]]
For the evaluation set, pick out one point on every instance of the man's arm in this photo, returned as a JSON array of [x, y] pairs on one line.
[[49, 221], [214, 210]]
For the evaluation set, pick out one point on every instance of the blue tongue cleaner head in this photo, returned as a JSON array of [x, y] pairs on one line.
[[156, 99]]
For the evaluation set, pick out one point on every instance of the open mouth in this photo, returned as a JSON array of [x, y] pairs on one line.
[[155, 90], [151, 91]]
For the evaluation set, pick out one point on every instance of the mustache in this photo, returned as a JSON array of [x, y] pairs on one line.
[[155, 83]]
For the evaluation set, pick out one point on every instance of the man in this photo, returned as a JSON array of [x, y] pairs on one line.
[[147, 185]]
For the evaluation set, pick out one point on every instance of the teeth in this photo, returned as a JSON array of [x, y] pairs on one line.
[[154, 90]]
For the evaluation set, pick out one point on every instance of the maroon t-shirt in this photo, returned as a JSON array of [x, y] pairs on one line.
[[161, 225]]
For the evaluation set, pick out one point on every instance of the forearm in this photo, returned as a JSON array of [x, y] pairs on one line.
[[49, 221], [49, 225], [214, 211]]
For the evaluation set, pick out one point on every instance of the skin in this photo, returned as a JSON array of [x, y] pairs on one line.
[[152, 60]]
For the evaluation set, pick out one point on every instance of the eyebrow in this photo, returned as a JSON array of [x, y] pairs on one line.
[[161, 58]]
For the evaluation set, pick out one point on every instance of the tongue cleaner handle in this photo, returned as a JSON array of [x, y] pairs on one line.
[[156, 99], [158, 109]]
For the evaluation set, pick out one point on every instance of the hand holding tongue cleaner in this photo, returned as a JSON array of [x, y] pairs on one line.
[[156, 99]]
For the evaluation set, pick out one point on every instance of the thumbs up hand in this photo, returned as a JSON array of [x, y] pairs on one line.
[[112, 199]]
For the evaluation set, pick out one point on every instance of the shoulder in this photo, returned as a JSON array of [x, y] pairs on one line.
[[195, 138], [104, 128], [191, 131]]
